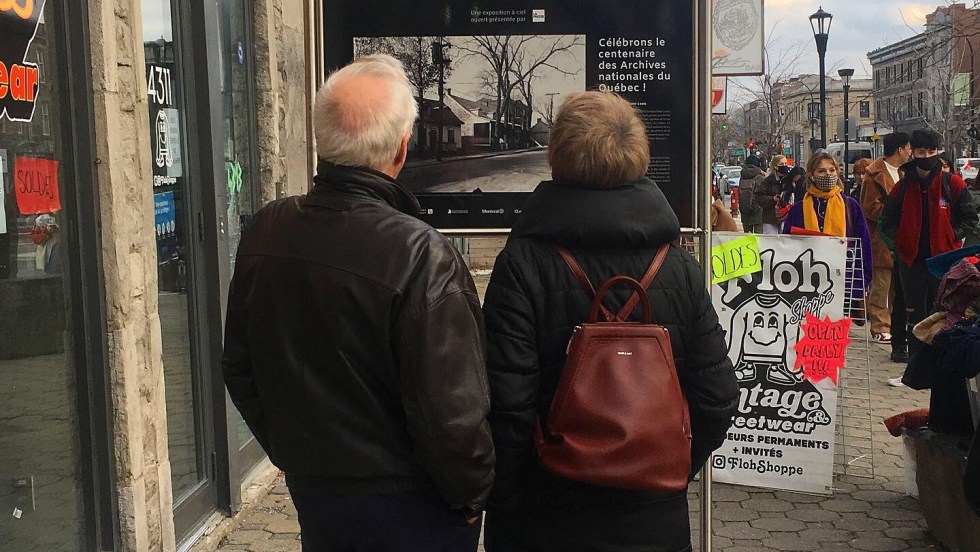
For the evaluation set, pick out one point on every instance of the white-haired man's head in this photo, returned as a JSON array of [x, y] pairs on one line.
[[363, 115]]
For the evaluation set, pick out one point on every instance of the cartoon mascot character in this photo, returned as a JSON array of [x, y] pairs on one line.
[[762, 341]]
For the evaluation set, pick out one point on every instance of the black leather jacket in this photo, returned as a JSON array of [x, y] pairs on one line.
[[355, 346]]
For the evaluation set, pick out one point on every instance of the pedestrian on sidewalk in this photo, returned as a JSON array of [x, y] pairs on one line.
[[750, 209], [613, 220], [827, 210], [880, 178], [769, 193], [354, 345], [928, 213]]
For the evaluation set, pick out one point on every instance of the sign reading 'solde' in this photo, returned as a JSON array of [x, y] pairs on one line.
[[36, 185], [787, 338], [19, 78]]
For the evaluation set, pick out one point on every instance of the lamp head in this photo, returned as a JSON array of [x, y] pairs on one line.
[[820, 22]]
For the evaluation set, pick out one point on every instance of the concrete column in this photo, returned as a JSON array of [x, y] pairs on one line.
[[122, 143]]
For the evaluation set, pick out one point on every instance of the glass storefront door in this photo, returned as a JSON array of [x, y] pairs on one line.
[[237, 92], [42, 503], [173, 183]]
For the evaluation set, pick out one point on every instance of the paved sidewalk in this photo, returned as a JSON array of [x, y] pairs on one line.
[[864, 514]]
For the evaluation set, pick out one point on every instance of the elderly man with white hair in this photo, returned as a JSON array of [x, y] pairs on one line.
[[354, 343]]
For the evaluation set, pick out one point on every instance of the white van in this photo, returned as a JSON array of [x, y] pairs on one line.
[[855, 151]]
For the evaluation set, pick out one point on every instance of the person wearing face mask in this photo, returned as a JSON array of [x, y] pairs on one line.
[[886, 302], [827, 210], [768, 192], [928, 213]]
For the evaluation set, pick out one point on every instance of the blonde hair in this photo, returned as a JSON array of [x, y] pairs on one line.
[[775, 160], [364, 130], [598, 140], [813, 162]]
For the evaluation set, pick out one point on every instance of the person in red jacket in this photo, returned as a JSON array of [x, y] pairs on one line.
[[928, 212]]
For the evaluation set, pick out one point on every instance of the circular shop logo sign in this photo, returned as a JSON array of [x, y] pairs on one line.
[[735, 22]]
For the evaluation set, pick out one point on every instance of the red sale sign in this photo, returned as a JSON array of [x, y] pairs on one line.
[[822, 349], [36, 185]]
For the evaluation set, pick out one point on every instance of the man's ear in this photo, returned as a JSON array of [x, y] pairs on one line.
[[402, 154]]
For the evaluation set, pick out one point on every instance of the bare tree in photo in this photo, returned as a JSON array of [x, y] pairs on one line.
[[511, 65], [415, 53]]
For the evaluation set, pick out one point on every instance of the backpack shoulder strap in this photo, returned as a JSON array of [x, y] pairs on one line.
[[652, 270], [582, 278]]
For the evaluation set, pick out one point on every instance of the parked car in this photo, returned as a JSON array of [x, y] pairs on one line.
[[855, 151], [733, 175], [967, 167]]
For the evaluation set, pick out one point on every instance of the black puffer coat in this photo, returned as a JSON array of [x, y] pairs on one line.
[[532, 304]]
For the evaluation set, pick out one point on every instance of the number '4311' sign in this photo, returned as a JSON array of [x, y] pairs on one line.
[[159, 85]]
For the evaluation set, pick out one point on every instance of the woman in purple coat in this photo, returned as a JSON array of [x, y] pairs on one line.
[[827, 210]]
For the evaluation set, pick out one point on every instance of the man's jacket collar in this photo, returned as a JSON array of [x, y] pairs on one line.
[[338, 182]]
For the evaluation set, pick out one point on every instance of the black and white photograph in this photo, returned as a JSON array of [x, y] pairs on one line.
[[486, 105]]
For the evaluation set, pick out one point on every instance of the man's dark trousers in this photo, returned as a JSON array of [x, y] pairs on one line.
[[899, 313], [921, 289], [415, 521]]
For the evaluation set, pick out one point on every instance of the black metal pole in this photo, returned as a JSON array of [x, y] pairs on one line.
[[822, 52], [442, 106], [847, 88]]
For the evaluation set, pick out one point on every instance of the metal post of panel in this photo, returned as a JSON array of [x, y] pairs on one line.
[[702, 198]]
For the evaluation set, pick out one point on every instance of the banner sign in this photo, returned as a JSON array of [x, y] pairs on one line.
[[18, 78], [737, 35], [36, 185], [490, 77], [787, 338]]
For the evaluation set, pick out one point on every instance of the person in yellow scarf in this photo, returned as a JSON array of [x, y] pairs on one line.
[[826, 210]]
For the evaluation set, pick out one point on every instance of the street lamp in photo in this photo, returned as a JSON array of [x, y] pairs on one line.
[[820, 23], [845, 77]]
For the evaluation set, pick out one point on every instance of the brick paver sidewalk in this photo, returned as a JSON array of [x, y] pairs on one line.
[[864, 514]]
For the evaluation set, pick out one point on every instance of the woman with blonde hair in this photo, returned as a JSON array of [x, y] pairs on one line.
[[612, 220], [826, 210]]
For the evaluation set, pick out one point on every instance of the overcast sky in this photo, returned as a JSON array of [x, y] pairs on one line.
[[858, 27]]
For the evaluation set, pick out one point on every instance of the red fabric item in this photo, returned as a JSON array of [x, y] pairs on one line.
[[797, 231], [941, 237], [913, 419]]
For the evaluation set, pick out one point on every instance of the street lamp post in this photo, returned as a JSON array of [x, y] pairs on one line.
[[845, 76], [820, 24], [439, 58]]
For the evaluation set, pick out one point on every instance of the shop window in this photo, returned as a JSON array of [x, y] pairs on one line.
[[41, 478]]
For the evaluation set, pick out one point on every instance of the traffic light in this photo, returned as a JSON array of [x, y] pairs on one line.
[[751, 143], [724, 125]]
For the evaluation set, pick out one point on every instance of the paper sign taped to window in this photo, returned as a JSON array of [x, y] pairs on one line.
[[735, 258], [36, 185]]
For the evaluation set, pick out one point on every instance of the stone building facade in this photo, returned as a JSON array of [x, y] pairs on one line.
[[126, 175], [799, 107], [928, 81]]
